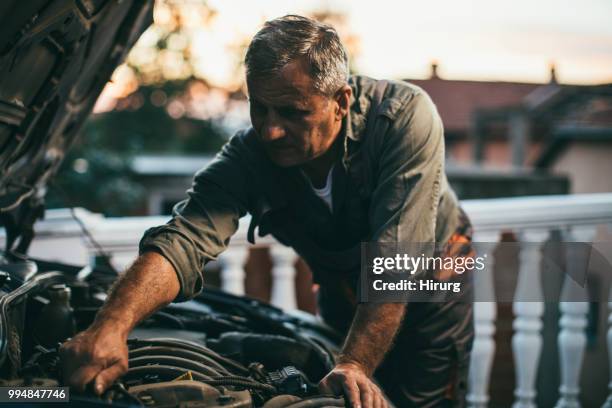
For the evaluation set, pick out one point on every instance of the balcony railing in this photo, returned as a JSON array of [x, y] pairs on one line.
[[532, 219]]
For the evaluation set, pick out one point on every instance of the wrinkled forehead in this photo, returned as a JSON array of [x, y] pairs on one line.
[[293, 84]]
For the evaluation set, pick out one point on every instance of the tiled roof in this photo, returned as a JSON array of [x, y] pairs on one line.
[[457, 100]]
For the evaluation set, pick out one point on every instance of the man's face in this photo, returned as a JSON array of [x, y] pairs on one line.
[[295, 123]]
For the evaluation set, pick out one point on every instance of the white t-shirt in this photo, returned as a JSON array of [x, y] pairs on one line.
[[325, 193]]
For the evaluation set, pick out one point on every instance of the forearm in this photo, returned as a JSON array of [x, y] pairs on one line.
[[148, 285], [372, 333]]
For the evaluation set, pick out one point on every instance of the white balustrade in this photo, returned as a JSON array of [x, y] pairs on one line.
[[283, 277], [572, 338], [528, 309], [485, 312], [232, 271], [608, 403], [60, 238]]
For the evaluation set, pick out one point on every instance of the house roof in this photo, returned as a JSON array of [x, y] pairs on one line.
[[564, 136], [457, 100], [585, 116]]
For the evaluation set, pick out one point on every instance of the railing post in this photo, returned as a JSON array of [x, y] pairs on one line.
[[528, 309], [283, 277], [485, 312], [232, 269], [572, 339], [608, 403]]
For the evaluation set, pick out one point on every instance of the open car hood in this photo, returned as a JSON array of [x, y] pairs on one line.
[[55, 58]]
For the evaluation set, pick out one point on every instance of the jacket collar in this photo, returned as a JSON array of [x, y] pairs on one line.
[[354, 123]]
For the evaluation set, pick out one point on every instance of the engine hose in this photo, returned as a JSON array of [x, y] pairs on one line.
[[174, 362], [118, 388], [168, 373], [318, 402], [178, 352], [169, 318], [192, 346], [229, 363], [238, 382]]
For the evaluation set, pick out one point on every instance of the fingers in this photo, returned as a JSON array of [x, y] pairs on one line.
[[359, 390], [93, 357], [371, 395], [79, 379], [352, 393], [76, 372], [107, 376], [376, 401], [375, 396], [379, 399], [366, 394]]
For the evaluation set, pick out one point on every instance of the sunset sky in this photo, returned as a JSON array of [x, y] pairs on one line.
[[470, 39]]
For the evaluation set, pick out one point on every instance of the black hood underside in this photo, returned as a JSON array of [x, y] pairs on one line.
[[55, 58]]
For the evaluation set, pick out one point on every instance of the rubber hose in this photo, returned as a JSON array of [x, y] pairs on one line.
[[170, 318], [281, 401], [178, 352], [174, 362], [168, 373], [237, 382], [318, 402], [198, 349]]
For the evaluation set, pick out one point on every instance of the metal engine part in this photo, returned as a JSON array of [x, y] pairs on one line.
[[291, 401], [191, 393], [257, 357], [30, 382]]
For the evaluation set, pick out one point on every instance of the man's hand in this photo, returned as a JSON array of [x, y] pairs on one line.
[[371, 334], [97, 355], [351, 380], [100, 353]]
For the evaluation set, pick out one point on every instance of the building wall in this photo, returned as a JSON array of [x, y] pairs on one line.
[[588, 165], [497, 153], [460, 151], [165, 190]]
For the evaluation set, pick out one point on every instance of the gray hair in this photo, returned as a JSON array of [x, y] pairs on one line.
[[291, 37]]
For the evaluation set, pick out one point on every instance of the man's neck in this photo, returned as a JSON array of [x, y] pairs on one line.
[[317, 170]]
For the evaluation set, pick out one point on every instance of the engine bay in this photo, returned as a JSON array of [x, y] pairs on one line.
[[217, 350]]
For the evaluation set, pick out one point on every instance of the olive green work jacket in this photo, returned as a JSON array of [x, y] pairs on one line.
[[389, 185]]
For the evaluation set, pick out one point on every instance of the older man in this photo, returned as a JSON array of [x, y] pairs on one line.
[[329, 162]]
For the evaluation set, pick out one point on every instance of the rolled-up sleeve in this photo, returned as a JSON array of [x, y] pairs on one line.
[[406, 196], [202, 224]]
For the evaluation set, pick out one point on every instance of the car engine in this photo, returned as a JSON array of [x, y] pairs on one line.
[[217, 350]]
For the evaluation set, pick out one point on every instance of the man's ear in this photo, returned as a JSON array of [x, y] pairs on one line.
[[343, 100]]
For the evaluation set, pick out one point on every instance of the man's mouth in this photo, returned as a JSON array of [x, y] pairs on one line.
[[278, 147]]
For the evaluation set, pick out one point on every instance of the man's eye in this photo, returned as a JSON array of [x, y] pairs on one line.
[[292, 112]]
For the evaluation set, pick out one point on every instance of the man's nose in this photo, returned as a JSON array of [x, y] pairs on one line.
[[272, 133], [272, 130]]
